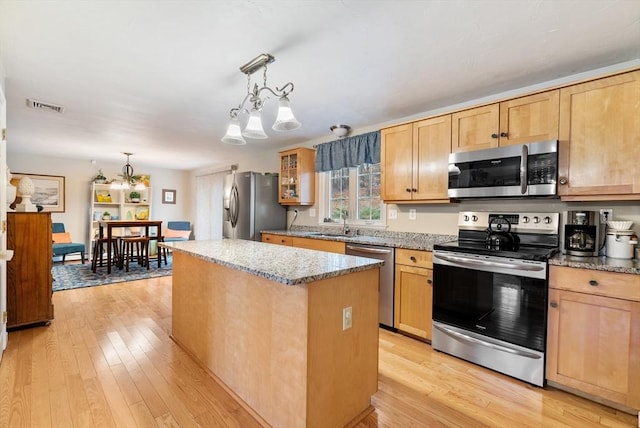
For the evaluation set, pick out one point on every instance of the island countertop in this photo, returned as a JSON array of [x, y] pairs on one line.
[[286, 265]]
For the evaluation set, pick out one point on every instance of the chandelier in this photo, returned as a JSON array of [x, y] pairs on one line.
[[252, 105], [128, 179]]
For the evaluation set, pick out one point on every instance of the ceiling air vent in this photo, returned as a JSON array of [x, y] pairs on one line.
[[44, 106]]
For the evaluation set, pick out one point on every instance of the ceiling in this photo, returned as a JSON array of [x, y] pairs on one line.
[[158, 78]]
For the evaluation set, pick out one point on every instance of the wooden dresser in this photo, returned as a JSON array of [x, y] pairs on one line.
[[29, 280]]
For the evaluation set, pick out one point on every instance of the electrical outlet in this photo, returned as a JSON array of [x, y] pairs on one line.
[[312, 212], [393, 214], [412, 214], [606, 214], [347, 319]]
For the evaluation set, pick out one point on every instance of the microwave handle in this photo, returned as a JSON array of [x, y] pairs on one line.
[[523, 169]]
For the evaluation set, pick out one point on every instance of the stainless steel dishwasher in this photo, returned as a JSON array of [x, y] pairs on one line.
[[387, 255]]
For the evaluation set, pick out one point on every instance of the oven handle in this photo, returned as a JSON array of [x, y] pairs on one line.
[[467, 338], [523, 169], [473, 262]]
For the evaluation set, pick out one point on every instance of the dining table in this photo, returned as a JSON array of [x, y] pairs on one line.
[[109, 225]]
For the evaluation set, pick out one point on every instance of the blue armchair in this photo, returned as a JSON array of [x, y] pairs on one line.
[[177, 231], [62, 244]]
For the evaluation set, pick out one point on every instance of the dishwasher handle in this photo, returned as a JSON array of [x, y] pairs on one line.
[[368, 250]]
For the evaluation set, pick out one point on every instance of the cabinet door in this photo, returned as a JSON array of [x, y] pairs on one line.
[[29, 280], [431, 148], [397, 162], [297, 177], [600, 139], [475, 129], [319, 244], [530, 119], [593, 345], [413, 300], [277, 239]]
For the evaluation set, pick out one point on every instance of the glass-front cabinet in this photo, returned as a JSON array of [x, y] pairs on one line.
[[297, 177]]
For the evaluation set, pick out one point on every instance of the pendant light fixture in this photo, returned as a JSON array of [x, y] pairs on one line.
[[252, 105], [128, 179]]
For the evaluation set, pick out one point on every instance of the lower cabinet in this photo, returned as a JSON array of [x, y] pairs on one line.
[[309, 243], [277, 239], [29, 280], [593, 339], [413, 292]]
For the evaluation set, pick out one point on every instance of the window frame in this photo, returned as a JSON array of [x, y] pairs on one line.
[[325, 205]]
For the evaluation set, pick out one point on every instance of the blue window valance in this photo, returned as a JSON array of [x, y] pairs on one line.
[[348, 152]]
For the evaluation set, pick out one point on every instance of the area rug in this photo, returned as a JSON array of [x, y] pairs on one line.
[[75, 275]]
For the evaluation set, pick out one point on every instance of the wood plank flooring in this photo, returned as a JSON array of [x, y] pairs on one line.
[[107, 361]]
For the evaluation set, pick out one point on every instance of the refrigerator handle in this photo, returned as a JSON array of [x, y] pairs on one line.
[[234, 205]]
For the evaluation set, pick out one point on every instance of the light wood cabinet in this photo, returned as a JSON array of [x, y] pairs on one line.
[[517, 121], [297, 177], [319, 244], [29, 280], [593, 340], [415, 161], [277, 239], [600, 139], [476, 128], [413, 292], [308, 243]]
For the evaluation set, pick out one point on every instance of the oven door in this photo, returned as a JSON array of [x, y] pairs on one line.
[[497, 297]]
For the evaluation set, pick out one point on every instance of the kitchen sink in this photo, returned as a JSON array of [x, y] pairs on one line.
[[328, 235]]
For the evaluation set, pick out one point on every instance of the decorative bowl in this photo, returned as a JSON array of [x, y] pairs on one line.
[[619, 224]]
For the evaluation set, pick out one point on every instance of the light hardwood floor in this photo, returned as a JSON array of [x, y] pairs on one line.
[[107, 360]]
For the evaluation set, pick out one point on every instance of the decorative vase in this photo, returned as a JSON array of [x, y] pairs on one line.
[[11, 195], [25, 190]]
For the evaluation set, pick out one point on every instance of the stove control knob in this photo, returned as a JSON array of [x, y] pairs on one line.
[[536, 219], [474, 218], [547, 220], [465, 218], [526, 219]]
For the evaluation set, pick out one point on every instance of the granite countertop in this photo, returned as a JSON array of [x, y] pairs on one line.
[[423, 241], [630, 266], [286, 265], [411, 241]]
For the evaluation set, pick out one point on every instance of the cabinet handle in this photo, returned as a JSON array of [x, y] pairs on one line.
[[563, 180], [503, 134], [494, 135], [412, 258], [414, 190], [593, 283], [408, 190], [429, 281], [553, 304]]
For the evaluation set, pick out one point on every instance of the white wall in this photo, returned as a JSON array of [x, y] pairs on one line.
[[78, 176]]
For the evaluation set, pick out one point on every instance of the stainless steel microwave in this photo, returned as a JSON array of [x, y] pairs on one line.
[[512, 171]]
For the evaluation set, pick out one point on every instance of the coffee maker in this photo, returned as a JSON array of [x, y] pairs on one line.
[[580, 233]]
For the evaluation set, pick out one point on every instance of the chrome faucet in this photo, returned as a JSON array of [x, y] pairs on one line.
[[345, 226]]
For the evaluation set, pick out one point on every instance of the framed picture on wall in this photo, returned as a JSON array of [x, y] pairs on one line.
[[48, 190], [168, 196]]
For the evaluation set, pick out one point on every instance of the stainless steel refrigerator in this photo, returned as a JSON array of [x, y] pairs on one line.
[[251, 205]]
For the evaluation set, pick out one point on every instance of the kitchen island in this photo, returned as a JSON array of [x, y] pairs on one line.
[[267, 322]]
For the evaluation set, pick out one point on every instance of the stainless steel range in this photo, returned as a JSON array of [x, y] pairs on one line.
[[490, 291]]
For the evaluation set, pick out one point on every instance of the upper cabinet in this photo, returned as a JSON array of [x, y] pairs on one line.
[[297, 177], [517, 121], [415, 160], [600, 139]]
